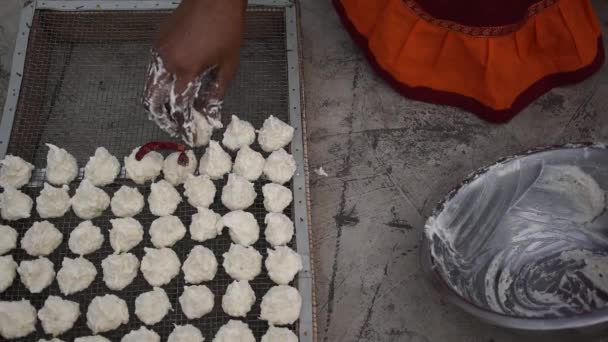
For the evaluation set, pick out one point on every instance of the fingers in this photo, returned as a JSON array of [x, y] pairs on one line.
[[183, 93], [156, 96]]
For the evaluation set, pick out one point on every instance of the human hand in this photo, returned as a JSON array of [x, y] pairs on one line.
[[194, 58]]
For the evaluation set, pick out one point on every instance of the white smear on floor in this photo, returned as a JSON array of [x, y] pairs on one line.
[[321, 172]]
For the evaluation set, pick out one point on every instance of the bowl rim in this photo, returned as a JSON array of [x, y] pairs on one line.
[[585, 320]]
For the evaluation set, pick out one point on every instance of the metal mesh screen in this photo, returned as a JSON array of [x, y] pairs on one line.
[[83, 77]]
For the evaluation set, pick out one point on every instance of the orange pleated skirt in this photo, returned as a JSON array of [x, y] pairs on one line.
[[488, 57]]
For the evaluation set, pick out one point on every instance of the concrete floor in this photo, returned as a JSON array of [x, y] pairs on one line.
[[390, 160]]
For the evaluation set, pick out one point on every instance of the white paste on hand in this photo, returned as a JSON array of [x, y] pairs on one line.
[[234, 331], [238, 299], [196, 301], [165, 231], [249, 164], [242, 263], [238, 193], [17, 319], [276, 197], [41, 239], [242, 226], [201, 265], [163, 199], [52, 201], [102, 168]]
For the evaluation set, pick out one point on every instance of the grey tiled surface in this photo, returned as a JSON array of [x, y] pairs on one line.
[[389, 161]]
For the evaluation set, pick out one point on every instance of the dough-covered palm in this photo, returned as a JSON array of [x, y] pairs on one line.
[[193, 60]]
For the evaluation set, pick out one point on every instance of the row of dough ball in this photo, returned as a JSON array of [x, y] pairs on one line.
[[158, 266], [105, 313], [103, 168], [281, 305], [90, 201], [42, 238]]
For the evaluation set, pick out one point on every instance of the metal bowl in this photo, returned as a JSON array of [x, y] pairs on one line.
[[524, 243]]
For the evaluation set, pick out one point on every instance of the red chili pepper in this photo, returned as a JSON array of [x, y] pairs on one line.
[[164, 145]]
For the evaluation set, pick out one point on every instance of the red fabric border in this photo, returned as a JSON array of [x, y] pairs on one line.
[[470, 104]]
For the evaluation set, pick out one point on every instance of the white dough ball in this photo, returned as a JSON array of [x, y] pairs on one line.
[[196, 301], [159, 266], [274, 134], [239, 133], [127, 202], [242, 263], [238, 193], [89, 201], [102, 168], [200, 191], [142, 334], [125, 234], [17, 319], [276, 197], [165, 231], [163, 199], [75, 275], [41, 239], [242, 226], [238, 299], [275, 334], [61, 166], [279, 229], [107, 313], [85, 239], [234, 331], [8, 239], [281, 305], [15, 172], [148, 168], [202, 129], [215, 162], [8, 272], [204, 225], [36, 274], [201, 265], [283, 263], [51, 340], [96, 338], [14, 204], [119, 270], [280, 167], [58, 315], [249, 164], [175, 173], [185, 333], [151, 307], [52, 201]]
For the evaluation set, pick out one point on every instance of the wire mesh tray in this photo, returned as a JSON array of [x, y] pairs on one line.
[[77, 79]]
